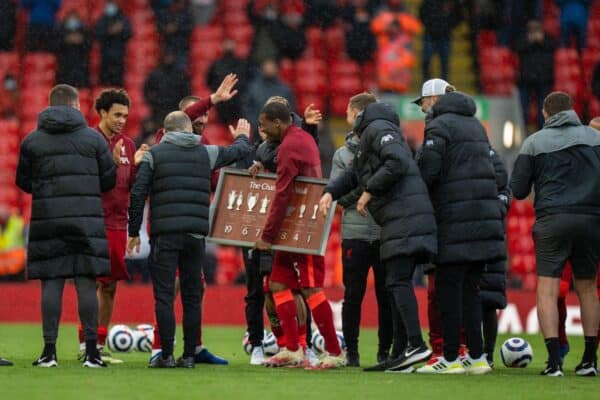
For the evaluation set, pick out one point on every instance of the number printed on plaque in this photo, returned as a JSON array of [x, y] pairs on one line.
[[283, 235], [245, 231], [296, 236], [228, 228], [308, 239], [257, 232]]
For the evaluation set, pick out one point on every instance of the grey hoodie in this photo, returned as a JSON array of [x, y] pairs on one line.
[[354, 225]]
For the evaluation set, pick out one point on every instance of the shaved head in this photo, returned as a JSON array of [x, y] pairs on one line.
[[595, 123], [177, 121]]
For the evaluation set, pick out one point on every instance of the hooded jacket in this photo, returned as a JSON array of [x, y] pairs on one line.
[[456, 165], [562, 162], [354, 225], [384, 167], [176, 173], [66, 166]]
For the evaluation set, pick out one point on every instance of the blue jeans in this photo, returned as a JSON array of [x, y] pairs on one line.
[[439, 46]]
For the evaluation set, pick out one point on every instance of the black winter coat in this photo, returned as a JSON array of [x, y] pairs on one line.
[[65, 166], [492, 285], [456, 166], [384, 167]]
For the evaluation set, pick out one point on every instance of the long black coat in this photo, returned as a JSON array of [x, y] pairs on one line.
[[456, 165], [65, 166], [384, 167], [492, 285]]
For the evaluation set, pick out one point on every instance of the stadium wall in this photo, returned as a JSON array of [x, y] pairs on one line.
[[224, 305]]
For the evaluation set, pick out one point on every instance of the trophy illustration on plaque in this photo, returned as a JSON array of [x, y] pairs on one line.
[[251, 201], [231, 199], [240, 201], [302, 210], [263, 205], [289, 211], [315, 209]]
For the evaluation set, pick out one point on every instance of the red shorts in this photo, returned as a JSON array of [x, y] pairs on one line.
[[117, 244], [298, 271]]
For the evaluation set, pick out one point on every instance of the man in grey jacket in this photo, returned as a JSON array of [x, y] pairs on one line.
[[562, 162], [360, 252], [176, 173]]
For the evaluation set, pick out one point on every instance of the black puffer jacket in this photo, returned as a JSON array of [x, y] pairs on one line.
[[384, 167], [65, 166], [492, 285], [456, 166]]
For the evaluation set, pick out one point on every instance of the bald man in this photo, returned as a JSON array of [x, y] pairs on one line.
[[177, 172], [595, 123]]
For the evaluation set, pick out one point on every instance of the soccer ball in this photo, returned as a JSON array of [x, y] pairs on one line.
[[120, 339], [318, 341], [516, 353], [143, 337], [270, 346]]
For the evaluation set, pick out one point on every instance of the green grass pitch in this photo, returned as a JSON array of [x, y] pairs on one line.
[[133, 380]]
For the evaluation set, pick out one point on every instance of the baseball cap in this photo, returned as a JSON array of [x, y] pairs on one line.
[[433, 87]]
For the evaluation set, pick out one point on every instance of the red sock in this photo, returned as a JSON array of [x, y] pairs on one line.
[[562, 318], [278, 332], [302, 336], [102, 334], [288, 318], [156, 344], [80, 333], [321, 311]]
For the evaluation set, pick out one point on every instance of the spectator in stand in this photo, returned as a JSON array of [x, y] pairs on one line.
[[73, 52], [536, 71], [439, 17], [12, 242], [574, 15], [288, 32], [113, 30], [203, 11], [9, 97], [321, 13], [514, 15], [42, 24], [229, 62], [360, 42], [175, 25], [165, 86], [395, 58], [596, 81], [263, 15], [264, 86], [8, 24]]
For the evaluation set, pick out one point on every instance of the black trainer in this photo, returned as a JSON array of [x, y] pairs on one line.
[[384, 365], [160, 362], [382, 356], [352, 359], [5, 363], [554, 371], [586, 369], [185, 362], [94, 361], [46, 361], [412, 356]]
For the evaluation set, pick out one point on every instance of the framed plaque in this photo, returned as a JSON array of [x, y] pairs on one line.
[[241, 207]]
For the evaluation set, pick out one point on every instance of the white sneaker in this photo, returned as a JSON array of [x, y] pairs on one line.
[[479, 366], [311, 358], [441, 366], [258, 356]]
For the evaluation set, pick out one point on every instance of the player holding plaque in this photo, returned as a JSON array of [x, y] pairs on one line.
[[298, 155]]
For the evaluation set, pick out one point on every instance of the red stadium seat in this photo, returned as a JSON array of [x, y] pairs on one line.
[[209, 33], [308, 66], [240, 33], [304, 99], [311, 84], [348, 85]]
